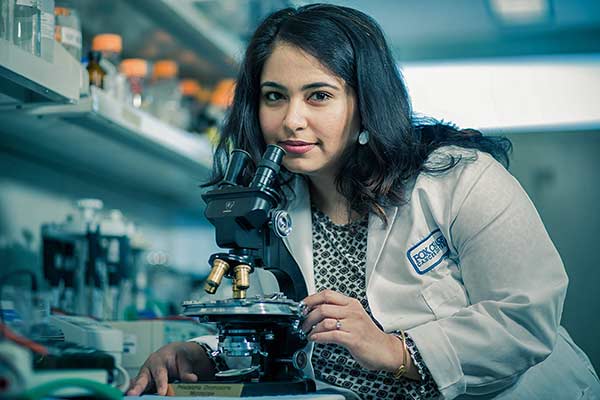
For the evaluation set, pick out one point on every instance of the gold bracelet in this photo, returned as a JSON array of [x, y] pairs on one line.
[[399, 373]]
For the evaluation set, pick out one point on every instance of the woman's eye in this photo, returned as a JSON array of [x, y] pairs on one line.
[[272, 96], [320, 96]]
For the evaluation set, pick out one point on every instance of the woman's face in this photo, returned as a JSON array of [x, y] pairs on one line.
[[307, 110]]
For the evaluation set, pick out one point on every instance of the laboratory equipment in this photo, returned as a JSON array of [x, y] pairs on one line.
[[88, 260], [262, 333]]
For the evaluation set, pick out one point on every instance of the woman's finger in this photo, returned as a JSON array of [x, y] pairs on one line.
[[321, 312], [185, 369], [333, 336], [329, 324], [161, 379], [140, 382], [188, 377], [326, 297]]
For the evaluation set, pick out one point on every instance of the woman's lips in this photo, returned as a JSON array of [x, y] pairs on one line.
[[297, 147]]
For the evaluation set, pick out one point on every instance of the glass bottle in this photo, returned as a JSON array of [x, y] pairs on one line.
[[94, 69], [220, 99], [6, 19], [164, 96], [203, 121], [135, 70], [190, 108], [26, 26], [111, 46]]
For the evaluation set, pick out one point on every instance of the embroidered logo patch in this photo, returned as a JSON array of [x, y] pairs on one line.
[[429, 252]]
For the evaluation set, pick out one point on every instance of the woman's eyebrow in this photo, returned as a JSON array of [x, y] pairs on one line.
[[313, 85]]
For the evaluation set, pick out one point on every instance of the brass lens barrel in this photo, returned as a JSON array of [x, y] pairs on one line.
[[237, 293], [218, 271], [242, 276]]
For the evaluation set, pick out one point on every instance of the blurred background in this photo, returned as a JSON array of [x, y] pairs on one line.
[[115, 131]]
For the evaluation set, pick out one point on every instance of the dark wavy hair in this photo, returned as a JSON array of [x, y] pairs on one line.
[[352, 46]]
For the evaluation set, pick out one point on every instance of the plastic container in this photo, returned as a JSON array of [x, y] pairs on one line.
[[67, 29], [135, 71], [190, 107], [47, 29], [164, 95], [203, 121], [111, 46], [220, 99], [27, 26], [6, 19]]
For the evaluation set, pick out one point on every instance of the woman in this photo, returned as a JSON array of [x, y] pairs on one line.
[[431, 272]]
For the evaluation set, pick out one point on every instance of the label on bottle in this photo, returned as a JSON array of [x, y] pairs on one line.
[[70, 37], [26, 3], [48, 25]]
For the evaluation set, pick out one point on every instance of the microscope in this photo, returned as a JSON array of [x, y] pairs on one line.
[[261, 334]]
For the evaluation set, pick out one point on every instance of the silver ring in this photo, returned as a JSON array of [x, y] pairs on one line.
[[338, 324]]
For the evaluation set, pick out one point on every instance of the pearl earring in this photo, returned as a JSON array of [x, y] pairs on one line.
[[363, 137]]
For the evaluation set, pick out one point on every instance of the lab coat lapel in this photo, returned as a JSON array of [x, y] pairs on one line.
[[299, 241], [378, 234]]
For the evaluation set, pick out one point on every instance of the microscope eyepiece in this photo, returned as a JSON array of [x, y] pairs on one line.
[[235, 169], [269, 166]]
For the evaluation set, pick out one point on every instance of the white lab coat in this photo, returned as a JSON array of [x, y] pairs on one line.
[[466, 267]]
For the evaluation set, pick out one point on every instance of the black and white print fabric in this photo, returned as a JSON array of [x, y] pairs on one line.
[[339, 253]]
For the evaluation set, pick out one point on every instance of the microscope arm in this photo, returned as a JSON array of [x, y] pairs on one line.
[[279, 261]]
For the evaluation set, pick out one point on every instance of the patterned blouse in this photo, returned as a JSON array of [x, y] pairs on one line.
[[339, 253]]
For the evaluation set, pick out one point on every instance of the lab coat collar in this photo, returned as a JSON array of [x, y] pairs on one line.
[[299, 242]]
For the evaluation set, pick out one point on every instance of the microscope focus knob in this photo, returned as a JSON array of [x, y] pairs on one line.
[[299, 359], [281, 222]]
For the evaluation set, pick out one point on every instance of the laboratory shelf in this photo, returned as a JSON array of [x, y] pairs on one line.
[[25, 78], [114, 144]]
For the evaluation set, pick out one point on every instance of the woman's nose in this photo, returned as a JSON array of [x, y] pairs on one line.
[[295, 117]]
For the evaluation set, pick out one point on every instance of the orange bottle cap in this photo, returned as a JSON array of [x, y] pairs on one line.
[[109, 42], [165, 69], [222, 96], [189, 87], [134, 67], [62, 11]]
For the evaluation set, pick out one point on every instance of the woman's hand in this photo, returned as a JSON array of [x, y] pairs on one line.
[[335, 318], [186, 361]]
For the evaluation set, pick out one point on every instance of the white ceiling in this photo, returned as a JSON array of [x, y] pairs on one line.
[[449, 29]]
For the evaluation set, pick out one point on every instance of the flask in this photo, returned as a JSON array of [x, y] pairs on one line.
[[94, 69], [26, 26], [67, 28]]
